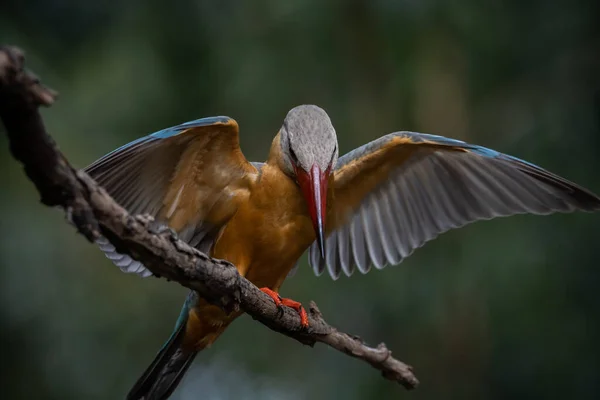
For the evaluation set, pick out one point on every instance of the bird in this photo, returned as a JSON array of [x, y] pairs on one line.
[[370, 208]]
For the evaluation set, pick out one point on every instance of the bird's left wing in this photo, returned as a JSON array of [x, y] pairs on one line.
[[189, 177], [396, 193]]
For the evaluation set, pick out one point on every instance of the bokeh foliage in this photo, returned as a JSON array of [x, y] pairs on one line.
[[501, 309]]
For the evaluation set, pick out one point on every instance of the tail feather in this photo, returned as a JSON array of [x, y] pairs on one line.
[[168, 367], [166, 383]]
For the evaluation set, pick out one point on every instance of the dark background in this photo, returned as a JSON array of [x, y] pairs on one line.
[[501, 309]]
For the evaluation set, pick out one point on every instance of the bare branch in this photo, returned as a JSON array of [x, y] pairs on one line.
[[95, 213]]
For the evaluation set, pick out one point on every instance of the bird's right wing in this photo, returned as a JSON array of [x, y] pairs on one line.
[[190, 177], [398, 192]]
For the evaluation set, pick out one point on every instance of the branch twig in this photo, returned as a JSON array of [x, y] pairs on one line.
[[95, 213]]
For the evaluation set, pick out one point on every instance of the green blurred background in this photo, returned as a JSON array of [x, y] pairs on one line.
[[501, 309]]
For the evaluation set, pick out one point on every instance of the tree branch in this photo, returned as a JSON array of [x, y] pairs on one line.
[[95, 213]]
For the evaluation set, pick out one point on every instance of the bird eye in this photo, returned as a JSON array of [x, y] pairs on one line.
[[333, 156], [293, 155]]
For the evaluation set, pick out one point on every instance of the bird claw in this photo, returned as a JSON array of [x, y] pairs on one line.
[[280, 302], [273, 295]]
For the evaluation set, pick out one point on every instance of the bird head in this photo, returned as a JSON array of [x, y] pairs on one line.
[[310, 152]]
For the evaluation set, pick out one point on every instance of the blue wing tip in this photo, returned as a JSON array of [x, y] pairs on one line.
[[484, 151], [479, 150], [175, 130], [221, 119]]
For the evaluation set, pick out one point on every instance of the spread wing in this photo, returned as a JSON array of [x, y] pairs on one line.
[[398, 192], [189, 177]]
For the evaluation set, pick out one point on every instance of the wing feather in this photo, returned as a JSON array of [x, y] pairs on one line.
[[317, 262], [373, 231], [171, 175], [345, 261], [331, 257], [398, 192], [359, 247]]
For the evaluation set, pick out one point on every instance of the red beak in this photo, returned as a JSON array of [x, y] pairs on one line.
[[314, 189]]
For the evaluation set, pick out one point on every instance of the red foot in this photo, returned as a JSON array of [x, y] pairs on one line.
[[299, 309], [279, 301], [272, 294]]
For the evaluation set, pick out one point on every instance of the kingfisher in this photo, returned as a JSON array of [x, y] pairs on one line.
[[369, 208]]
